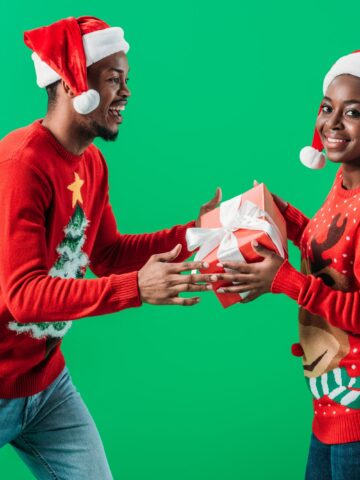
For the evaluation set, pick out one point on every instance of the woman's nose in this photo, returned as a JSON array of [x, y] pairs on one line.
[[334, 121]]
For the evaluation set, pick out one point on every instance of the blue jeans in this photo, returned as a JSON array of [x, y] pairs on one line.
[[54, 433], [333, 462]]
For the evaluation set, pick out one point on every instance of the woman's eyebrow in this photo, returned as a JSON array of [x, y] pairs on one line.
[[352, 100]]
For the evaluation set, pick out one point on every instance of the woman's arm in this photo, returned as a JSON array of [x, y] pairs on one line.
[[296, 223]]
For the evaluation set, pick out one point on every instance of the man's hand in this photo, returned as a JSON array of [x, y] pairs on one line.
[[160, 281], [254, 277], [207, 207], [280, 203]]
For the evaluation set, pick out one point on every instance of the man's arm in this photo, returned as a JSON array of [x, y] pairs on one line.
[[27, 289], [114, 252], [117, 253], [32, 295]]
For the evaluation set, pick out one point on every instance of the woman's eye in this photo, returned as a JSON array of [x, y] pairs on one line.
[[114, 80], [326, 109], [353, 113]]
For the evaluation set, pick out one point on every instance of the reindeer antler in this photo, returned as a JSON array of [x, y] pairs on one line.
[[333, 236]]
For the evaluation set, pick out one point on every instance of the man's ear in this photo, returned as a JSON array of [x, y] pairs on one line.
[[67, 89]]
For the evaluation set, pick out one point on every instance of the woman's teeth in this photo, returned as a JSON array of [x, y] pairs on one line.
[[336, 140]]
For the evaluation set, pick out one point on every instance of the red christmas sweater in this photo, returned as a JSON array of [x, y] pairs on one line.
[[56, 220], [328, 292]]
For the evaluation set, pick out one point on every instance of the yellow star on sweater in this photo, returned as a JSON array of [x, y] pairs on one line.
[[75, 188]]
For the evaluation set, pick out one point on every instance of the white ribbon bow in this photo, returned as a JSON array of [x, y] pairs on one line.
[[232, 218]]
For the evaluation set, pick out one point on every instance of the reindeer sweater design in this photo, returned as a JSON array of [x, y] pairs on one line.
[[328, 292]]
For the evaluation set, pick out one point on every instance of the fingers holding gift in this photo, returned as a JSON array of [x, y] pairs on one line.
[[185, 266], [160, 282], [232, 277], [192, 278], [238, 267], [211, 204], [242, 288], [256, 276], [253, 295], [190, 287], [183, 302]]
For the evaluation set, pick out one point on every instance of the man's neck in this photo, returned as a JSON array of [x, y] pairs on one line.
[[70, 135]]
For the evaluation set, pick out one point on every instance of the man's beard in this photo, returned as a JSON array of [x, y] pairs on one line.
[[103, 132]]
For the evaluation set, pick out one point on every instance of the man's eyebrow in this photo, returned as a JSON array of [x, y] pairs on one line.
[[119, 70], [347, 102]]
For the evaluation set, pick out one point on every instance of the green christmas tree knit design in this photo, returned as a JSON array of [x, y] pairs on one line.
[[72, 263]]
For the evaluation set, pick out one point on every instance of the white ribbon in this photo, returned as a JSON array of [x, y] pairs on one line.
[[232, 218]]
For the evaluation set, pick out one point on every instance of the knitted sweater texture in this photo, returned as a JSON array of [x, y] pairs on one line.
[[56, 220], [328, 292]]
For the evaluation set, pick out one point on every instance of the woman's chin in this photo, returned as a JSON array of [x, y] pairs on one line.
[[335, 157]]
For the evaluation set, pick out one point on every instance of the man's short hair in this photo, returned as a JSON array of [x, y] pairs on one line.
[[51, 92]]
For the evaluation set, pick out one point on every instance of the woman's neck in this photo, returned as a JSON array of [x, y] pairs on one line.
[[351, 176]]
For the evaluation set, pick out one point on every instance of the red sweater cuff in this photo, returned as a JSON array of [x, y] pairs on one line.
[[296, 222], [294, 215], [288, 280], [180, 237], [181, 231], [126, 290]]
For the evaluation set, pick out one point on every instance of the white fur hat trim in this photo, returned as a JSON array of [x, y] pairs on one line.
[[349, 64]]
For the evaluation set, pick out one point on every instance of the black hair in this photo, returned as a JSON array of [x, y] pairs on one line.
[[51, 92]]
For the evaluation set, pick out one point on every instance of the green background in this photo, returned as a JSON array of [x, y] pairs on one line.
[[222, 93]]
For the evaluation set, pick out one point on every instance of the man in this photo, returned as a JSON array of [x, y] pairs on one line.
[[56, 220]]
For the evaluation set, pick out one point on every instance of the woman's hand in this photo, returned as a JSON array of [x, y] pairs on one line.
[[255, 278]]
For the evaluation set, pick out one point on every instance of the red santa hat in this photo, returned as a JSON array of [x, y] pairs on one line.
[[64, 50], [313, 157]]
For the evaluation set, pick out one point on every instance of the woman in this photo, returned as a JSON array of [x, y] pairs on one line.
[[328, 287]]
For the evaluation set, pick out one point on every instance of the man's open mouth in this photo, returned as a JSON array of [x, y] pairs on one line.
[[114, 111]]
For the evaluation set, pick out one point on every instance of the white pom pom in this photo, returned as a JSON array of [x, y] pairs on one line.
[[86, 102], [312, 158]]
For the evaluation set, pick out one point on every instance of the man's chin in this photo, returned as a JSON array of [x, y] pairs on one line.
[[104, 132]]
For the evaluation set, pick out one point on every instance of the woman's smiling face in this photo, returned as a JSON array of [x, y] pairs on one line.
[[339, 120]]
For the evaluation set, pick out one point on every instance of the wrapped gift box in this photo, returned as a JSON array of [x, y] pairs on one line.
[[226, 234]]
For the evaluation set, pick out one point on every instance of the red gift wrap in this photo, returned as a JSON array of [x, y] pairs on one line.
[[262, 198]]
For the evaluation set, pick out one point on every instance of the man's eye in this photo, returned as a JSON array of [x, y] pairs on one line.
[[326, 109], [353, 113]]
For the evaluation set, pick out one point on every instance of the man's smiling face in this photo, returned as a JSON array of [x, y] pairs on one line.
[[109, 77]]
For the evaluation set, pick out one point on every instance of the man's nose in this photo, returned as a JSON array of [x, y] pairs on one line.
[[124, 90]]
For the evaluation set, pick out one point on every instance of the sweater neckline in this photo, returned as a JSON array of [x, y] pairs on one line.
[[71, 157], [341, 191]]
